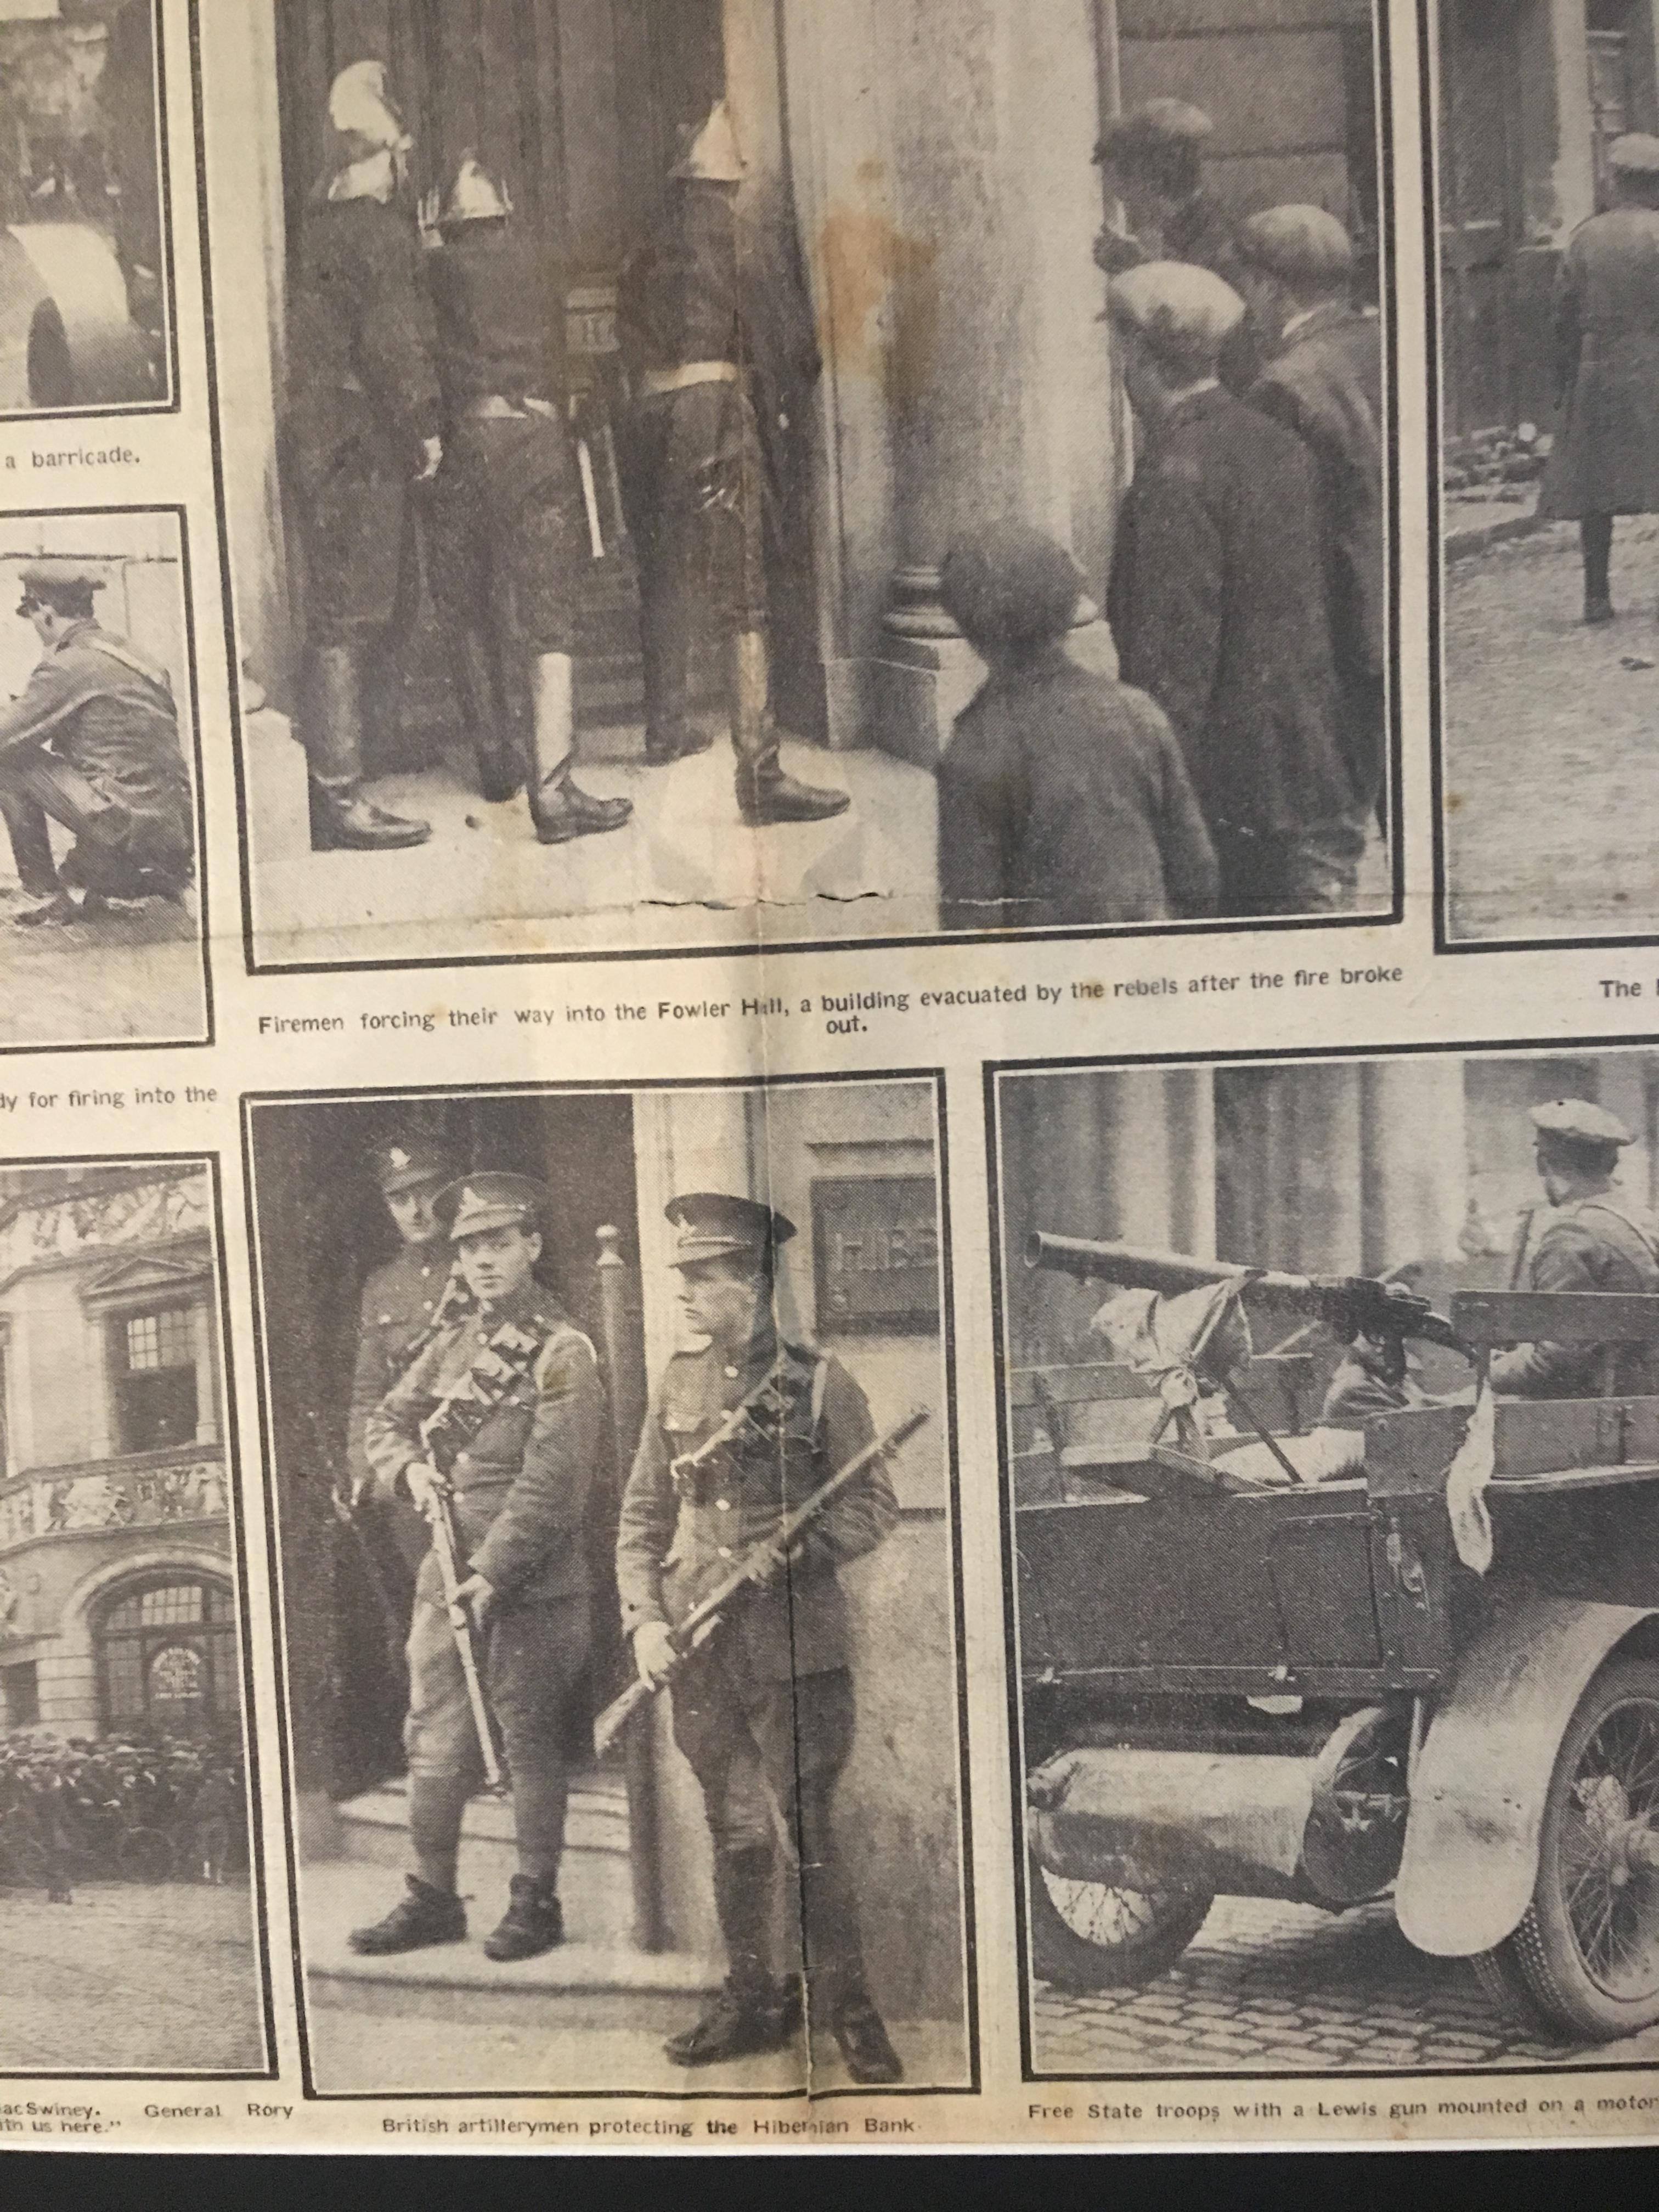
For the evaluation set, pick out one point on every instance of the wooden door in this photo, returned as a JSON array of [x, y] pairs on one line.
[[1479, 214]]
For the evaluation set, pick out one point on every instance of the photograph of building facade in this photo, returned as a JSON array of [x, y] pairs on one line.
[[925, 214], [121, 1654], [1441, 1175], [855, 1166]]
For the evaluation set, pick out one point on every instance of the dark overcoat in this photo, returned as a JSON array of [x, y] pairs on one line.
[[1606, 457]]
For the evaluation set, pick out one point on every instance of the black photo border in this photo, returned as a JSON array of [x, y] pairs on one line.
[[766, 946], [204, 931], [934, 1080], [211, 1164], [994, 1074]]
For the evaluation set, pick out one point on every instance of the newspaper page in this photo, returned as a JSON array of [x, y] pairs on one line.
[[829, 1314]]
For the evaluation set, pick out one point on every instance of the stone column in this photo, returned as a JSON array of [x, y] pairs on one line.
[[207, 1374], [1556, 153], [1417, 1160]]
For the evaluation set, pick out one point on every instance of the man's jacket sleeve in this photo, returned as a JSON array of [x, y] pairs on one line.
[[52, 693], [397, 332], [391, 1429], [863, 1515], [979, 819], [1552, 1370], [646, 1528], [546, 1507], [1191, 876]]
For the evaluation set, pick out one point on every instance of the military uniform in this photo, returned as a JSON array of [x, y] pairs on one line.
[[765, 1712], [519, 1404], [93, 743]]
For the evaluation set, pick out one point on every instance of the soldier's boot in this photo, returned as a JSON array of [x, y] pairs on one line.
[[425, 1916], [559, 808], [765, 793], [665, 648], [332, 725], [749, 2013], [533, 1922], [866, 2047], [477, 684]]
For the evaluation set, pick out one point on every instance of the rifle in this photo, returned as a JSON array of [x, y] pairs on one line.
[[440, 1521], [755, 1568]]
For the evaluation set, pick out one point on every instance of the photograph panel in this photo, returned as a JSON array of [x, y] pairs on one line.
[[86, 263], [131, 1917], [99, 782], [1328, 1404], [804, 481], [629, 1334]]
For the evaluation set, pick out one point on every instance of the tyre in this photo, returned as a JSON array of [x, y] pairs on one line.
[[1583, 1963], [1089, 1935], [143, 1854]]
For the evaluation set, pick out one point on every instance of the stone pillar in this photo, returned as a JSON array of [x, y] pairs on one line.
[[207, 1374], [1556, 152], [1417, 1175], [948, 206]]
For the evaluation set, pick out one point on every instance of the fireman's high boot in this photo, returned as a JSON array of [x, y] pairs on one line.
[[765, 793], [330, 710], [665, 628], [485, 712], [558, 808]]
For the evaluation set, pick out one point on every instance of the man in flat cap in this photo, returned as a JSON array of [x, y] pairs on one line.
[[764, 1711], [723, 361], [511, 550], [1152, 162], [1596, 1238], [93, 744], [1218, 601], [1605, 460], [1063, 797], [502, 1415], [1322, 378], [365, 425]]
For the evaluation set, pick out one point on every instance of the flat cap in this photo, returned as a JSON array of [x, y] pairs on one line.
[[1156, 124], [715, 1225], [1578, 1118], [475, 1204], [1007, 584], [48, 575], [1302, 245], [401, 1167], [1636, 153], [1176, 303]]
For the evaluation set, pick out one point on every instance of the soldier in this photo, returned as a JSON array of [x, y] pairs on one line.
[[694, 476], [1596, 1239], [764, 1712], [93, 744], [365, 424], [501, 1414], [404, 1302], [510, 535]]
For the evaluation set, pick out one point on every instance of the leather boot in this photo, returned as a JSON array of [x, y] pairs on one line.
[[559, 808], [665, 626], [425, 1916], [765, 793], [750, 2013], [533, 1922], [341, 819], [477, 687], [866, 2047]]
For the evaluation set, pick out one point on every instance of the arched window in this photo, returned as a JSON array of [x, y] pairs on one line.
[[167, 1658]]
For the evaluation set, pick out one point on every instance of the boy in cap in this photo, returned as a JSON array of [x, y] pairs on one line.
[[1322, 378], [93, 744], [1605, 460], [1596, 1239], [764, 1711], [1218, 603], [500, 1415], [1063, 799]]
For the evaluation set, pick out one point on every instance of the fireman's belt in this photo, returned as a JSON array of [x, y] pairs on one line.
[[496, 407], [654, 383]]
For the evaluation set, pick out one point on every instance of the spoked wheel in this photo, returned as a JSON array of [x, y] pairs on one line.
[[1090, 1935], [1584, 1961], [143, 1854]]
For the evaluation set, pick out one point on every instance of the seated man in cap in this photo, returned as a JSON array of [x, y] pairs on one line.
[[1597, 1239], [1322, 378], [1218, 603], [764, 1710], [1605, 460], [499, 1421], [93, 744], [1063, 798]]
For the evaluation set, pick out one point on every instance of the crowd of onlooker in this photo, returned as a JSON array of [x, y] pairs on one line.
[[138, 1807]]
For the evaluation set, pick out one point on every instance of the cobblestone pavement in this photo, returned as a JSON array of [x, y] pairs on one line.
[[1271, 1988], [1552, 743], [130, 1978]]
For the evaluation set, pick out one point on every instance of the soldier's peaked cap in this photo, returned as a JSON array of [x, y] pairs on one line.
[[714, 1226], [401, 1166], [49, 575], [473, 1205], [1637, 154], [1580, 1121]]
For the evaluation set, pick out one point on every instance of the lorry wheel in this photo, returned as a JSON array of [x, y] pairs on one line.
[[1584, 1961], [1089, 1935]]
